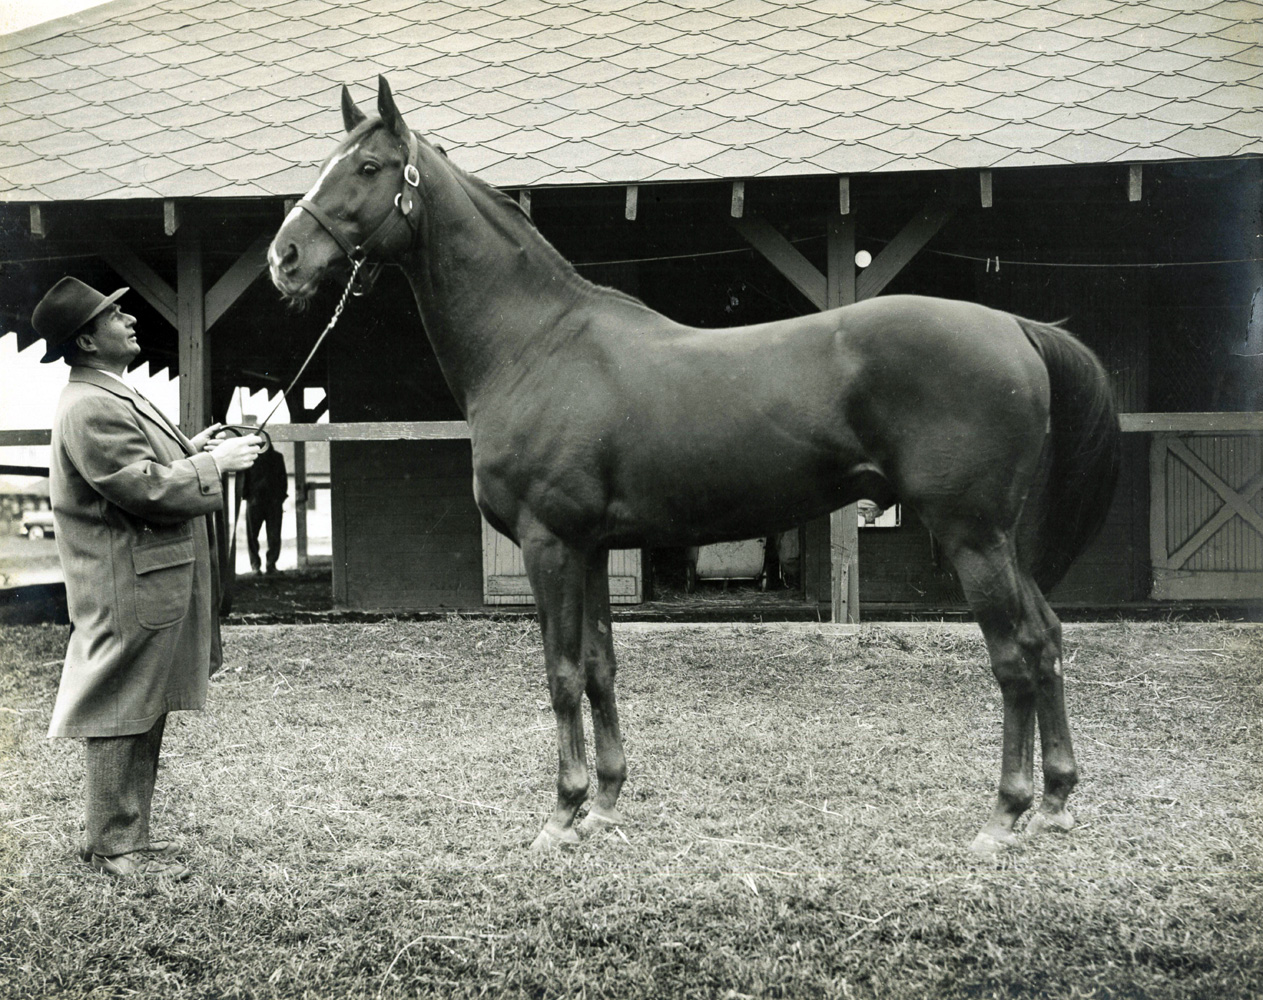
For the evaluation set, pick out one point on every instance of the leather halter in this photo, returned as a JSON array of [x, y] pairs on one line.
[[404, 203]]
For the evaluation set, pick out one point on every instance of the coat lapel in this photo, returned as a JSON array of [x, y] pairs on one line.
[[143, 406]]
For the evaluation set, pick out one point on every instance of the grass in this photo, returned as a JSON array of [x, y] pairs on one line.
[[357, 800]]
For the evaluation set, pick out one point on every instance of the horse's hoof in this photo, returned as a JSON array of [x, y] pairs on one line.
[[1058, 822], [599, 821], [553, 838], [988, 845]]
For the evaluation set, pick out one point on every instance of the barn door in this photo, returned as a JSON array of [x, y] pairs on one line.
[[504, 574], [1206, 516]]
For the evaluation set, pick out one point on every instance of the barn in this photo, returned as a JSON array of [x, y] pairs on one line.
[[1096, 161]]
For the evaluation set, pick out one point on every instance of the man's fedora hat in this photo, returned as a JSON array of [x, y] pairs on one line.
[[61, 313]]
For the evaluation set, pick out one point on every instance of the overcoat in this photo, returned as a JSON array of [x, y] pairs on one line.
[[132, 510]]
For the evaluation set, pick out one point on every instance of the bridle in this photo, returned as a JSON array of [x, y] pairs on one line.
[[404, 204]]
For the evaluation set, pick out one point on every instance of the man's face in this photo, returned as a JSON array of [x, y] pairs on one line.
[[114, 337]]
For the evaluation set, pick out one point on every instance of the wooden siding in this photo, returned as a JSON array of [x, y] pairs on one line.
[[1207, 516], [407, 533], [505, 580]]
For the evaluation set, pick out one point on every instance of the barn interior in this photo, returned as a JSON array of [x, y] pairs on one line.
[[1153, 269]]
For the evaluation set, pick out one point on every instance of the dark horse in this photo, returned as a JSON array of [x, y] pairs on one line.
[[598, 423]]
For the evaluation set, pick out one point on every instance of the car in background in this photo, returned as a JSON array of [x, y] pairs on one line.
[[37, 523]]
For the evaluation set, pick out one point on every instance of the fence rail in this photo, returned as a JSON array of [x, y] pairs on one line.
[[457, 430]]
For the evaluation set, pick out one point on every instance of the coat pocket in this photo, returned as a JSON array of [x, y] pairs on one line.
[[164, 580]]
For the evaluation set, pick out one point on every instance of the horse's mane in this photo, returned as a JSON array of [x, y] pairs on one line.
[[508, 215]]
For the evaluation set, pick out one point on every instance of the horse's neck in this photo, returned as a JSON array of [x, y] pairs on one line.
[[490, 289]]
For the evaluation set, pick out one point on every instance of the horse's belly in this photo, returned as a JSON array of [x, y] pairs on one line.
[[746, 489]]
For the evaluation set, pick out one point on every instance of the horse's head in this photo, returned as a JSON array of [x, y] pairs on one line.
[[363, 205]]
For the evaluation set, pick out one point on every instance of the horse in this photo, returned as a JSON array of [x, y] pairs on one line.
[[599, 423]]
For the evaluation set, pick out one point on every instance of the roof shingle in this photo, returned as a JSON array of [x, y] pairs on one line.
[[180, 98]]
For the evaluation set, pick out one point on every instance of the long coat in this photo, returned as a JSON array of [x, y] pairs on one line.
[[132, 505]]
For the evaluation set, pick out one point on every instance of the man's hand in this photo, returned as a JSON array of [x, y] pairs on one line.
[[202, 441], [235, 453]]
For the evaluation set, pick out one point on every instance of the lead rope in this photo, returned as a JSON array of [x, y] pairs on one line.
[[337, 313], [230, 569]]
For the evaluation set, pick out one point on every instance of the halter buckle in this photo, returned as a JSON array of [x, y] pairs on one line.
[[412, 175]]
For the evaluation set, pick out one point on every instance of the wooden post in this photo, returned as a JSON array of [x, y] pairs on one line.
[[629, 204], [844, 523], [300, 502], [299, 414], [194, 354]]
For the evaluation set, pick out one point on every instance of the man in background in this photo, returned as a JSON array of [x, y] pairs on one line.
[[134, 504], [264, 486]]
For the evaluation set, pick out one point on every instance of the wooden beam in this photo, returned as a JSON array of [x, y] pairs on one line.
[[195, 369], [1245, 422], [738, 208], [170, 217], [984, 188], [237, 279], [844, 195], [800, 272], [1135, 182], [300, 502], [141, 277], [629, 205], [844, 540], [37, 222], [899, 251]]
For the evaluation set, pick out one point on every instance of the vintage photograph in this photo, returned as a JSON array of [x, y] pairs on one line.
[[631, 499]]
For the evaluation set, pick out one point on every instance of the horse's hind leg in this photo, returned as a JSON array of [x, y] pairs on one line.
[[1023, 639], [600, 667], [1061, 773]]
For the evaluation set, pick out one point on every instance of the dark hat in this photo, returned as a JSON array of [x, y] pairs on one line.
[[68, 305]]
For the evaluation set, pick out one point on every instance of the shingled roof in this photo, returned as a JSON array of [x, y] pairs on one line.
[[184, 98]]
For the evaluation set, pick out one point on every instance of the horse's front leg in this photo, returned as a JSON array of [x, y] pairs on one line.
[[600, 668], [556, 573]]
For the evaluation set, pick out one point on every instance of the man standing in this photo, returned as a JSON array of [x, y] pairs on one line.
[[264, 486], [132, 500]]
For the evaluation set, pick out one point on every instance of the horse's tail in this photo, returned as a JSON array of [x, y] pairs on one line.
[[1082, 453]]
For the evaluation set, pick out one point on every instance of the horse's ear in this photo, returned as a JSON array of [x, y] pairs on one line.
[[386, 109], [351, 114]]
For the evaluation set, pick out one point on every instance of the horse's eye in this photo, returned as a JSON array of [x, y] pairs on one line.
[[369, 169]]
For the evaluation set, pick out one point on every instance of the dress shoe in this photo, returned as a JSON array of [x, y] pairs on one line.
[[140, 864]]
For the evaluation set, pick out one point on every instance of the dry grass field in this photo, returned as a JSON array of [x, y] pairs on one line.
[[357, 801]]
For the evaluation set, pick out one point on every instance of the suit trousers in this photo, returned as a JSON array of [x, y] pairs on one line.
[[120, 776], [267, 515]]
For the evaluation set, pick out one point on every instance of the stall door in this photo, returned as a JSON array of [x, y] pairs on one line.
[[504, 574], [1206, 516]]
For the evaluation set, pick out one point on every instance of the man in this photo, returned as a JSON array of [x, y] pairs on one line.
[[132, 500], [264, 486]]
